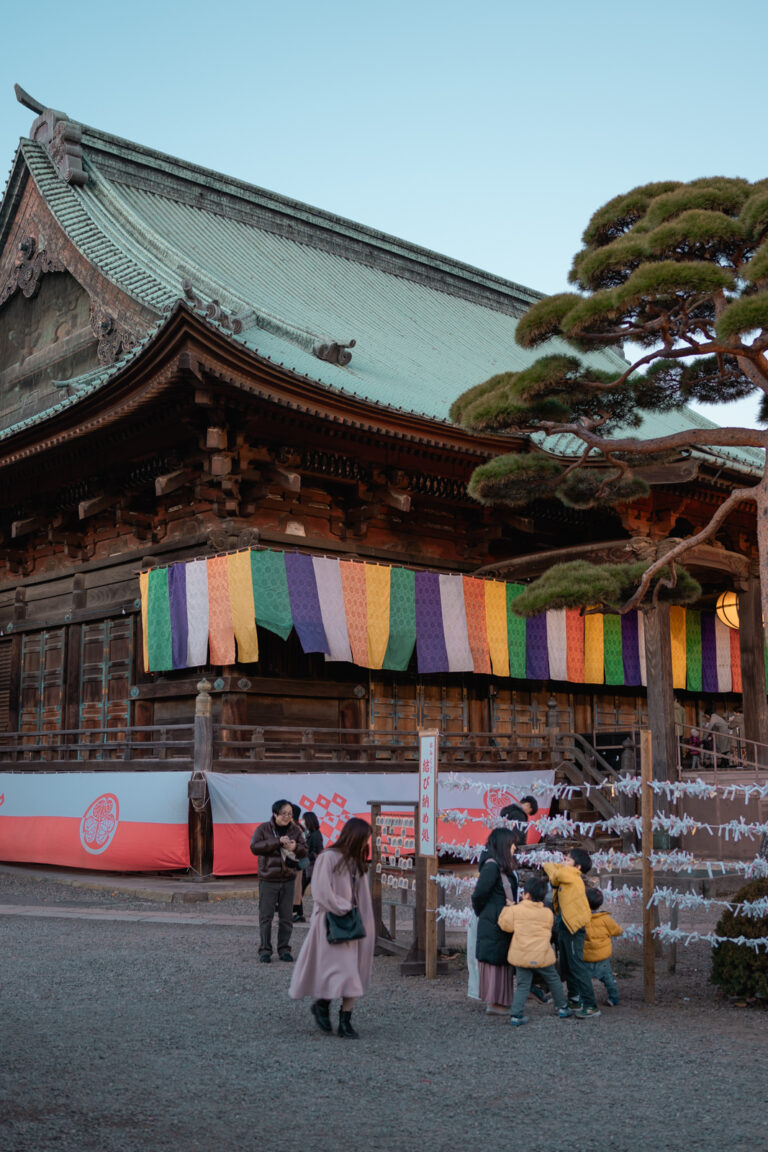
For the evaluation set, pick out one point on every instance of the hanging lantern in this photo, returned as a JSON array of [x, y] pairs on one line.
[[727, 609]]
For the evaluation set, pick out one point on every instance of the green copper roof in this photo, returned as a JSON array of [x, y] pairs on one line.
[[425, 327]]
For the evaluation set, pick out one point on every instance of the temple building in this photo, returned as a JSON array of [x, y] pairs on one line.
[[225, 453]]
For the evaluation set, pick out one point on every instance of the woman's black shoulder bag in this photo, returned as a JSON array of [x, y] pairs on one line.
[[340, 927]]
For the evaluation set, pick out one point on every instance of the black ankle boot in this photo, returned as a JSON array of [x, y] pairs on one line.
[[345, 1028], [321, 1012]]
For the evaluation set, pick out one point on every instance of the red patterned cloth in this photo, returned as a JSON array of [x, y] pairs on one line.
[[221, 632]]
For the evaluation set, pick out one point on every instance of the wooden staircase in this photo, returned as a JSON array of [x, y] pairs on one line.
[[576, 762]]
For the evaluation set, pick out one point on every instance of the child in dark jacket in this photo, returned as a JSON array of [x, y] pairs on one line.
[[598, 946]]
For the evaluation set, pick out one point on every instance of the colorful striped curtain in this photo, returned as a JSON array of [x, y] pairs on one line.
[[375, 615]]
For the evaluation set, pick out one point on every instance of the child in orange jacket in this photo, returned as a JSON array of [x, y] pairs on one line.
[[598, 946]]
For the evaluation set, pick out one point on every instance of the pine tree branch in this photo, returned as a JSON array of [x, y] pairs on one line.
[[737, 496], [690, 437]]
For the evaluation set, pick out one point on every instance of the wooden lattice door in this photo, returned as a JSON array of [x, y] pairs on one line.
[[106, 670], [6, 665], [42, 680]]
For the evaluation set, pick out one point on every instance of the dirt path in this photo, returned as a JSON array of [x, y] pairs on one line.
[[124, 1031]]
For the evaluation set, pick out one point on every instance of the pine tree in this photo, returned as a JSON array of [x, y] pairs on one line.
[[676, 274]]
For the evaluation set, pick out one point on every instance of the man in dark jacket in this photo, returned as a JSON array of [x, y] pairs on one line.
[[521, 814], [279, 845]]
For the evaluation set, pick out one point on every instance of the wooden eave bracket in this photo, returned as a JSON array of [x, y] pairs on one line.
[[28, 525], [173, 480], [143, 525], [97, 504], [18, 563]]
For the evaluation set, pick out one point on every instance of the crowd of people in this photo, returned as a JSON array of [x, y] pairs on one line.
[[718, 741], [547, 940], [528, 948]]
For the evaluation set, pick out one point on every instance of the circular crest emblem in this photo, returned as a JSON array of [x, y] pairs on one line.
[[497, 798], [99, 824]]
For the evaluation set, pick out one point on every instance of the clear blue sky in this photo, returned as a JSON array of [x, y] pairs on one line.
[[488, 131]]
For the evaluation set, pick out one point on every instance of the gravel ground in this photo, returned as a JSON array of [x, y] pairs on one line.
[[127, 1035]]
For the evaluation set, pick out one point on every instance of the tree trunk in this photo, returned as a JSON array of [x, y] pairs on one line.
[[753, 611], [661, 701]]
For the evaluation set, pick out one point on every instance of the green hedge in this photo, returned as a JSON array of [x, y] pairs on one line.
[[736, 968]]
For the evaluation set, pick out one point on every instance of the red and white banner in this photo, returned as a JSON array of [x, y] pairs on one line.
[[239, 802], [111, 821]]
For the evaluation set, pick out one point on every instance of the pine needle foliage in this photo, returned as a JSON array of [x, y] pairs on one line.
[[579, 584], [736, 968], [678, 270], [514, 480], [588, 488]]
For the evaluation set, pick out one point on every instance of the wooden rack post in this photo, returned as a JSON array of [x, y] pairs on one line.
[[646, 810], [384, 941]]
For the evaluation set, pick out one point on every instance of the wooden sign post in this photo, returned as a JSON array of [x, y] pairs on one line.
[[646, 812]]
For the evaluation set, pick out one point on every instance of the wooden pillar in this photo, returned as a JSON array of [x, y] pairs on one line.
[[374, 874], [751, 647], [661, 701], [200, 822], [647, 773]]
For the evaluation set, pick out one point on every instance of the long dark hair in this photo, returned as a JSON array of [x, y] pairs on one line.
[[352, 844], [311, 822], [500, 847]]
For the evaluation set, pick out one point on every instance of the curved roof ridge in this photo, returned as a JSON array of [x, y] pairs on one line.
[[85, 233], [195, 174], [116, 216]]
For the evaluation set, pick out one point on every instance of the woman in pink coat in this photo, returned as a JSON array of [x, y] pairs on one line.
[[327, 971]]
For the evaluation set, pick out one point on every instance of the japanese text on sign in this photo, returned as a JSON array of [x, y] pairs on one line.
[[427, 791]]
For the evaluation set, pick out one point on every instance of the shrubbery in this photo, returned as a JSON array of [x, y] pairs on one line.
[[736, 968]]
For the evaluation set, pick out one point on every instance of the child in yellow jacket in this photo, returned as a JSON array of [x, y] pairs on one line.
[[598, 947], [573, 915], [531, 949]]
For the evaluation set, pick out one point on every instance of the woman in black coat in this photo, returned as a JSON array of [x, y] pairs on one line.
[[315, 846], [496, 885]]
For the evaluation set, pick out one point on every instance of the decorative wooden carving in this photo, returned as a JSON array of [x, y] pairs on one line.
[[443, 487], [113, 340], [332, 464], [31, 266], [230, 536]]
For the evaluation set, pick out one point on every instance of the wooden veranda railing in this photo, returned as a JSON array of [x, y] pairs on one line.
[[142, 747], [257, 748]]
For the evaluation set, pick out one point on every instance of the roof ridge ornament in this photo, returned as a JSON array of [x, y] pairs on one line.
[[332, 351], [335, 352], [61, 137], [212, 310]]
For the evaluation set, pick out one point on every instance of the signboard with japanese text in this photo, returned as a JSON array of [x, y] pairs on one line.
[[427, 791]]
